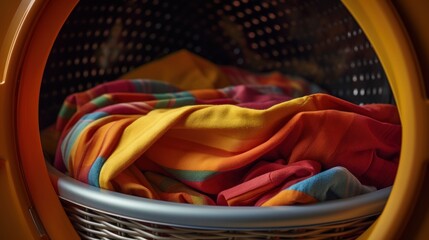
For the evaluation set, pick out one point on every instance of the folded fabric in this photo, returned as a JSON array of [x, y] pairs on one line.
[[191, 137], [332, 184], [245, 194], [80, 109], [87, 101], [265, 179], [208, 141]]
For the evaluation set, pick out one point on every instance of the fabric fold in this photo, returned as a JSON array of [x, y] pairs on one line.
[[213, 141], [332, 184], [191, 137]]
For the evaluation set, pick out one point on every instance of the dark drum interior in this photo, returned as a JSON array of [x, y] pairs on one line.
[[316, 40]]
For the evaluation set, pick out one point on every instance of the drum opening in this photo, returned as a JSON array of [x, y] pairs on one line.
[[318, 41]]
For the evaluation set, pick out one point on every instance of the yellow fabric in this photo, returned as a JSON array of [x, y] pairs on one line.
[[236, 136], [242, 124], [182, 69], [289, 197], [137, 138]]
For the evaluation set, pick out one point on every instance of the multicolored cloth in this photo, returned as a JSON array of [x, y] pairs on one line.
[[193, 138], [139, 97], [205, 141], [331, 184]]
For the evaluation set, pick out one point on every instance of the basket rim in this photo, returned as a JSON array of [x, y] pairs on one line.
[[218, 217]]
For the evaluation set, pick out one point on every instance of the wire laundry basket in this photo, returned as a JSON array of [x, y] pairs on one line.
[[317, 40]]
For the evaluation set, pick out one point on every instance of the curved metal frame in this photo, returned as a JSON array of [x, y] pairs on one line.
[[218, 217]]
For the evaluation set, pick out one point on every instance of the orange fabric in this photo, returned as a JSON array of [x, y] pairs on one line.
[[209, 148], [290, 197]]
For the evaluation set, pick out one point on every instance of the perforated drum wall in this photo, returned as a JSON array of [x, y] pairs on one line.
[[317, 40]]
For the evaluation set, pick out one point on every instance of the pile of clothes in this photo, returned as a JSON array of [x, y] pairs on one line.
[[183, 129]]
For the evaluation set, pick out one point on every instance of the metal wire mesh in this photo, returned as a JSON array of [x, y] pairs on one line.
[[93, 224]]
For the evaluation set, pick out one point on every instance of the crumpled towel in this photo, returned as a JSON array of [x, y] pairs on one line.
[[136, 143]]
